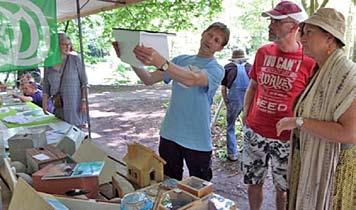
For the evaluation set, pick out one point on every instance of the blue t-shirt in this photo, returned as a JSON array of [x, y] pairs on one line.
[[187, 121], [37, 99]]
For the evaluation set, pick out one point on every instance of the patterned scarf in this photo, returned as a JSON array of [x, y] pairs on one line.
[[313, 160]]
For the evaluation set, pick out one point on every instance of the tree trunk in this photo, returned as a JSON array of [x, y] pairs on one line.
[[350, 36], [354, 51], [313, 6]]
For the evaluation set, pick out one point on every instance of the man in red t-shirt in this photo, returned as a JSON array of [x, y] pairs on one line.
[[279, 75]]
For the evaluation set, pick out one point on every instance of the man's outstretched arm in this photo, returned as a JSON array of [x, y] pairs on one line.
[[189, 77]]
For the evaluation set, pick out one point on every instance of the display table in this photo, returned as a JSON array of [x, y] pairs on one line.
[[28, 109], [35, 118], [17, 117]]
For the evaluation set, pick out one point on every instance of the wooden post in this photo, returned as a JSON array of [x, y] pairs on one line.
[[213, 121]]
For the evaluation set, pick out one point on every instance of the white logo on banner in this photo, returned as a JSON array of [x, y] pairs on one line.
[[37, 50]]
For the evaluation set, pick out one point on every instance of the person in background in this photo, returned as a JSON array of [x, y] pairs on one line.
[[69, 80], [2, 87], [27, 77], [32, 94], [324, 125], [185, 131], [32, 73], [279, 74], [233, 89]]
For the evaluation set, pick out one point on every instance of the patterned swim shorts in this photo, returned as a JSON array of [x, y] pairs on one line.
[[256, 154]]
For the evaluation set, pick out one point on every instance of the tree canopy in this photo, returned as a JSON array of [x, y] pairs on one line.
[[178, 15], [155, 15]]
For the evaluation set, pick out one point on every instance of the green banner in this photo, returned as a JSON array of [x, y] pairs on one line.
[[28, 34]]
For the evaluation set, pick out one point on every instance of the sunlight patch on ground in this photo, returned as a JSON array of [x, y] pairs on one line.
[[145, 135], [112, 129], [114, 144], [130, 115], [95, 135], [96, 105], [93, 95], [156, 114], [97, 113]]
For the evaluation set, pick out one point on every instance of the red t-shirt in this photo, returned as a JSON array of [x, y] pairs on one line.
[[281, 77]]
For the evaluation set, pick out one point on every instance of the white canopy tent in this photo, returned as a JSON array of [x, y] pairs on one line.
[[67, 9]]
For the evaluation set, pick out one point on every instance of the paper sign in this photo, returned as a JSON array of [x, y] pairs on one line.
[[41, 157], [129, 39]]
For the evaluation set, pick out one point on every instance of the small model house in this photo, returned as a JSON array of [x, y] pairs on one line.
[[143, 165], [71, 140], [28, 138]]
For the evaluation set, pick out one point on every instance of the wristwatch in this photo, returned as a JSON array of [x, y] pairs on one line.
[[299, 121], [164, 66]]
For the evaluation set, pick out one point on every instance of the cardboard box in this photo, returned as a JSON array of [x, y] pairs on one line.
[[24, 140], [54, 156], [63, 185]]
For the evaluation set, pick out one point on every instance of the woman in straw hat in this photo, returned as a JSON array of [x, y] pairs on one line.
[[322, 171]]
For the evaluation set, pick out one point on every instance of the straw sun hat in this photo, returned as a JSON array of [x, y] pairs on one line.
[[330, 20]]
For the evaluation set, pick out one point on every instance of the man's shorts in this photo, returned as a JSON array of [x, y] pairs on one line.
[[256, 154]]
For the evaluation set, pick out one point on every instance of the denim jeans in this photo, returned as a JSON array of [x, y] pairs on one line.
[[234, 108]]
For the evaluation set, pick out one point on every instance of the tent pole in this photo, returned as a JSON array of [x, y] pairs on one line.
[[82, 56]]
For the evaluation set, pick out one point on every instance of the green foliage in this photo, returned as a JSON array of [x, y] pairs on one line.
[[220, 149], [165, 104], [252, 21], [161, 15], [124, 79], [91, 30], [310, 6], [155, 15]]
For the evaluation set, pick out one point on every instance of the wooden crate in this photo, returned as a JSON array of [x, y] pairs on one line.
[[62, 185], [55, 156], [177, 199], [196, 186]]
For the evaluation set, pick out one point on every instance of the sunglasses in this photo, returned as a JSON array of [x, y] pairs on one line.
[[281, 21]]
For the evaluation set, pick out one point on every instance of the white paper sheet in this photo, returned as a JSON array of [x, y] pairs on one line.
[[128, 39], [41, 157], [4, 109]]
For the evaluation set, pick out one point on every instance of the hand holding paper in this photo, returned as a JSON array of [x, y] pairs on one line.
[[116, 46], [127, 40], [149, 56]]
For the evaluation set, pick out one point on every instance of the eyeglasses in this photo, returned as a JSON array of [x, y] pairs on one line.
[[309, 31], [281, 21], [65, 44]]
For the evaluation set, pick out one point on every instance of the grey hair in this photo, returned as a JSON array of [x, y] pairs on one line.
[[63, 37]]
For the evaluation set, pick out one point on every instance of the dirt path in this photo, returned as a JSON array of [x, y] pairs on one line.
[[120, 115]]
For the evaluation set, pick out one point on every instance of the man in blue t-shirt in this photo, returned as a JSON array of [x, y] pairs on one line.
[[185, 131]]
